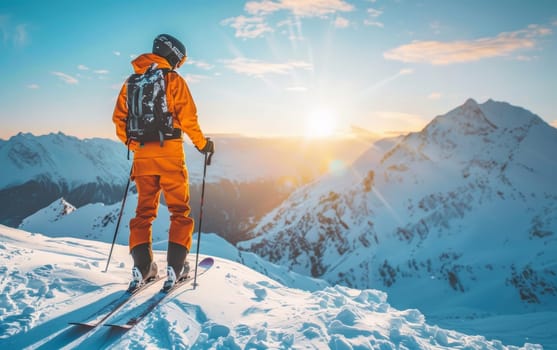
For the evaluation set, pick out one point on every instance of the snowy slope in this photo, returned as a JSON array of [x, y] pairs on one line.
[[97, 222], [463, 214], [47, 282]]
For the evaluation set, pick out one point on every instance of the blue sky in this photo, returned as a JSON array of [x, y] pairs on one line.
[[279, 67]]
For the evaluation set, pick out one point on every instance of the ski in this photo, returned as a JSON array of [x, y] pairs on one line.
[[134, 317], [109, 309]]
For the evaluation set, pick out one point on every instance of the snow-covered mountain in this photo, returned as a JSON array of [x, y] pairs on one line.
[[47, 282], [463, 214], [37, 170], [62, 159], [95, 221], [229, 208]]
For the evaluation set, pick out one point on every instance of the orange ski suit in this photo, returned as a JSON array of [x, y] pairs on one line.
[[155, 167]]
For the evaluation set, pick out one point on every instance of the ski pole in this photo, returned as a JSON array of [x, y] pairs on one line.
[[207, 162], [119, 218]]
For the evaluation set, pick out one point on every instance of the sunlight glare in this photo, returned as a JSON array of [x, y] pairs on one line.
[[320, 123]]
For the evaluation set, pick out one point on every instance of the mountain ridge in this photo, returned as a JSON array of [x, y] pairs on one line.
[[94, 172], [429, 214]]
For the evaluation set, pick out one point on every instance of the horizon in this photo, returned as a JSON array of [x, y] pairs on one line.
[[311, 69], [355, 133]]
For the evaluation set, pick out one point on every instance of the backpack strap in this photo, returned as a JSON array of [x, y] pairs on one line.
[[164, 73], [177, 132]]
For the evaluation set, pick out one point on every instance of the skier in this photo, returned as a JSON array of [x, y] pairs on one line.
[[161, 165]]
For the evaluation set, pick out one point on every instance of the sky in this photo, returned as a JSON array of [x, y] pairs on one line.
[[269, 68]]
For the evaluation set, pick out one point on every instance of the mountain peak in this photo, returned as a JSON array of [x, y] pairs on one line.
[[470, 103], [22, 136], [52, 213], [467, 119], [65, 206]]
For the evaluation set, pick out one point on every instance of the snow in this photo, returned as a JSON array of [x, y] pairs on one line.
[[93, 221], [68, 161], [62, 159], [47, 282], [458, 220]]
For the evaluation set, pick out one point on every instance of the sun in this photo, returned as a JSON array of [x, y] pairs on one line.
[[320, 123]]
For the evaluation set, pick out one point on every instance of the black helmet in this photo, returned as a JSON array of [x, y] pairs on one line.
[[170, 48]]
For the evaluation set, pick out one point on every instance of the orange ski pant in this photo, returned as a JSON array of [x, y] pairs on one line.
[[176, 193]]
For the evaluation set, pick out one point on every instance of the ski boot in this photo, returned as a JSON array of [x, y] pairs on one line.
[[144, 268], [178, 267]]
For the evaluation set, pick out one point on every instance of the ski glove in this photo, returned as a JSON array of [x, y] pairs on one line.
[[209, 147]]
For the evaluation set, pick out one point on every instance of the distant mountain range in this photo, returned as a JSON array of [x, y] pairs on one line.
[[459, 216], [248, 177], [39, 169]]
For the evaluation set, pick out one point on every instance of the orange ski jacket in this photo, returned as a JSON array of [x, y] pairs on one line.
[[151, 158]]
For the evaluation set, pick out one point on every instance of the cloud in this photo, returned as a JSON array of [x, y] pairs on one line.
[[261, 7], [341, 22], [255, 24], [33, 86], [200, 64], [248, 27], [195, 78], [20, 36], [17, 34], [82, 67], [372, 21], [293, 28], [256, 68], [443, 53], [68, 79], [525, 58], [116, 53], [301, 8], [374, 13]]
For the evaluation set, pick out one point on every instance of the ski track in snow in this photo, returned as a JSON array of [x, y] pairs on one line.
[[46, 283]]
